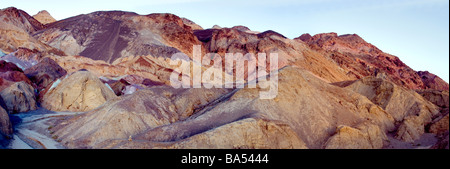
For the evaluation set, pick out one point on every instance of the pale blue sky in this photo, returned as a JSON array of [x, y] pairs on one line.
[[417, 31]]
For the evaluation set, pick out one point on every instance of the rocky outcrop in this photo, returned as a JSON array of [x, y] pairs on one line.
[[45, 72], [431, 81], [439, 126], [407, 107], [119, 86], [15, 76], [44, 17], [19, 97], [438, 98], [81, 91], [23, 58], [365, 136], [9, 72], [4, 84], [191, 24], [7, 66], [6, 129]]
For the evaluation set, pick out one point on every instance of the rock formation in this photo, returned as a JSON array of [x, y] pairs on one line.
[[131, 114], [406, 106], [439, 126], [81, 91], [298, 120], [44, 17], [361, 59], [431, 81], [192, 24], [4, 84], [7, 66], [367, 136], [6, 129], [19, 97], [44, 73]]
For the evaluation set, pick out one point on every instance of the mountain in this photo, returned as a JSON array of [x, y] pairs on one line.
[[103, 80], [360, 58], [110, 35], [44, 17], [16, 27]]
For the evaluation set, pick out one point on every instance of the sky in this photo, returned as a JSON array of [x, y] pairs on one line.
[[417, 31]]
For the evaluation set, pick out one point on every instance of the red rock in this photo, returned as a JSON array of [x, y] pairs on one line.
[[4, 83], [360, 58], [23, 19], [431, 81], [16, 76], [119, 86], [45, 72], [241, 28], [305, 37], [191, 24], [6, 66], [148, 82]]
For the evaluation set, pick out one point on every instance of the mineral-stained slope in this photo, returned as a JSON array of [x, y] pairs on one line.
[[111, 35], [294, 116], [360, 58]]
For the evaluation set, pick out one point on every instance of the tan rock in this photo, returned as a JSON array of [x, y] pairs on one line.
[[437, 97], [407, 107], [410, 129], [439, 126], [365, 136], [81, 91], [19, 97], [44, 17]]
